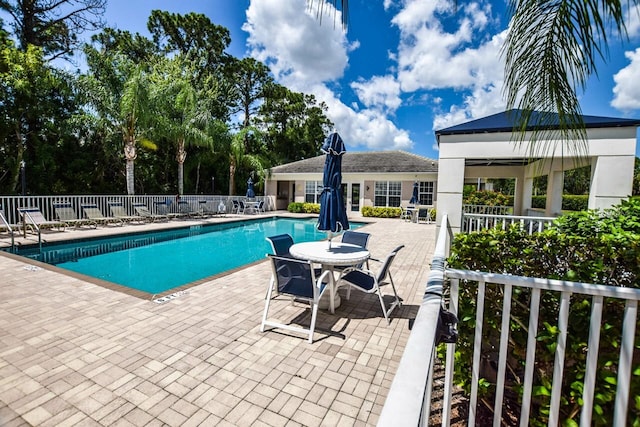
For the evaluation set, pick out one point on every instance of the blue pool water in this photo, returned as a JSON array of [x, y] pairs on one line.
[[158, 261]]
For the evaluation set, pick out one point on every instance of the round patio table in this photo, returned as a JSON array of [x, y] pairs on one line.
[[338, 254]]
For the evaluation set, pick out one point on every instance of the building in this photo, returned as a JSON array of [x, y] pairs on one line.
[[473, 152], [486, 148], [380, 178]]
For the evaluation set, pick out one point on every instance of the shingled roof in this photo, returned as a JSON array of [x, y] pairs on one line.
[[365, 162], [505, 121]]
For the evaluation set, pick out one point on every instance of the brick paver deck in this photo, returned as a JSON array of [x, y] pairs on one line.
[[76, 353]]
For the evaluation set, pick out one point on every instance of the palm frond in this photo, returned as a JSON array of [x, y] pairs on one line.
[[320, 5], [550, 53]]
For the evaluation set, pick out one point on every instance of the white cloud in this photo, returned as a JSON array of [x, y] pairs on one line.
[[626, 92], [380, 92], [305, 56], [430, 57], [289, 38], [633, 21]]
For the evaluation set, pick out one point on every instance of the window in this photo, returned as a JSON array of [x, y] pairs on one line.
[[387, 193], [312, 190], [425, 193]]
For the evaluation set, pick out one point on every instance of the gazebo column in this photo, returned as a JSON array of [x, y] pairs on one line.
[[450, 186], [611, 180], [527, 193], [555, 184]]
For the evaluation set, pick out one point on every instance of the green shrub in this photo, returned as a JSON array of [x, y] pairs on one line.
[[488, 198], [381, 212], [588, 246], [299, 207], [575, 203], [569, 202], [539, 202], [311, 208], [296, 207]]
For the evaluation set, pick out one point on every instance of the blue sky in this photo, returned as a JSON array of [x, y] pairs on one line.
[[402, 70]]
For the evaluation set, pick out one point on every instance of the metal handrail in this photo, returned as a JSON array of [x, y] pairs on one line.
[[33, 222], [4, 221], [409, 400]]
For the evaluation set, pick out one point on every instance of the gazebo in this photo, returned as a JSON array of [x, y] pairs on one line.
[[487, 148]]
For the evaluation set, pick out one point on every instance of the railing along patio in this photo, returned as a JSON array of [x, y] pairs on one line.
[[476, 222], [45, 203], [409, 400]]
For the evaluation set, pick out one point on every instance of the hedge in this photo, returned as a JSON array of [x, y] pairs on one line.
[[298, 207], [381, 212], [591, 246]]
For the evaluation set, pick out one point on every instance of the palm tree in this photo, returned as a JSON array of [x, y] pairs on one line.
[[181, 118], [118, 90], [550, 53], [238, 156], [134, 114]]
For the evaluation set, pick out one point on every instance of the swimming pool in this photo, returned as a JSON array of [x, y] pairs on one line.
[[156, 262]]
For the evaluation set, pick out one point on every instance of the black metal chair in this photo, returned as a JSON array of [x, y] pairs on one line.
[[366, 281], [297, 279]]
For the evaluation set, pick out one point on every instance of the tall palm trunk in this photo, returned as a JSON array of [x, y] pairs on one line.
[[181, 156], [130, 156], [232, 177]]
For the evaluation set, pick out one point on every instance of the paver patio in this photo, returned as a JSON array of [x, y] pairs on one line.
[[76, 353]]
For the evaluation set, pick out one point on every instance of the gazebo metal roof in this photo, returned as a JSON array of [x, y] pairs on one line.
[[506, 120]]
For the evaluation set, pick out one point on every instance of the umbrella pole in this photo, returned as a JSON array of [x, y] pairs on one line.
[[330, 236]]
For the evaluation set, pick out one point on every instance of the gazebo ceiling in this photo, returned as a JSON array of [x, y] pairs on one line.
[[499, 162]]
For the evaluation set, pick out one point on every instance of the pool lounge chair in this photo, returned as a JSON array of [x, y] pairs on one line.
[[93, 212], [143, 211], [366, 281], [303, 285], [185, 209], [164, 208], [67, 214], [118, 211], [34, 220]]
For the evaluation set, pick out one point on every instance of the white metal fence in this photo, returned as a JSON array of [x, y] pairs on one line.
[[476, 222], [10, 204], [509, 285], [409, 399], [484, 209]]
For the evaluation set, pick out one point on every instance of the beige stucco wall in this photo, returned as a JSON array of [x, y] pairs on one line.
[[365, 180]]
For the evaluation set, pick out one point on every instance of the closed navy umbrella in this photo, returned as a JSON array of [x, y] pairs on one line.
[[333, 215], [414, 196], [251, 194]]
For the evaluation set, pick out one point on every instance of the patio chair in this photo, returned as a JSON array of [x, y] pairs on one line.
[[185, 209], [207, 208], [281, 244], [241, 206], [143, 211], [164, 208], [424, 215], [93, 212], [260, 207], [33, 219], [355, 238], [407, 212], [235, 206], [295, 278], [117, 210], [67, 214], [366, 281]]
